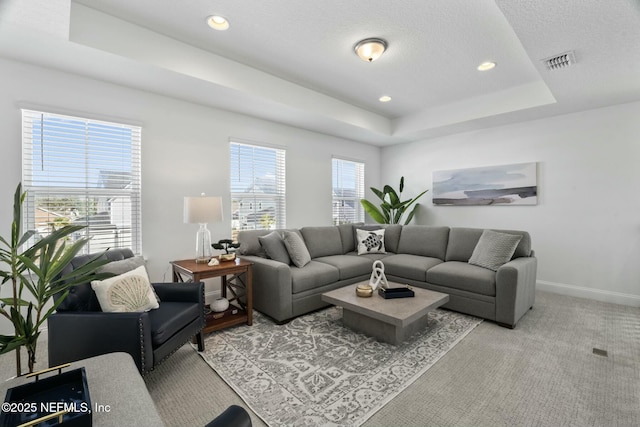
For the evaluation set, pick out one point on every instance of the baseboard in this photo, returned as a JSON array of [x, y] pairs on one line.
[[594, 294]]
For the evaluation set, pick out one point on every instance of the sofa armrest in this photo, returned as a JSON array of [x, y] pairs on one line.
[[515, 289], [82, 334], [271, 287], [180, 292]]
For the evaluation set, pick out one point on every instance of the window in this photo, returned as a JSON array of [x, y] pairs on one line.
[[348, 189], [257, 188], [83, 172]]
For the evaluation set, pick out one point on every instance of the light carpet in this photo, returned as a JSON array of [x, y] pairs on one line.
[[314, 371]]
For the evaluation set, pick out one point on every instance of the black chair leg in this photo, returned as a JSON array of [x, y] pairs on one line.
[[234, 415], [200, 341]]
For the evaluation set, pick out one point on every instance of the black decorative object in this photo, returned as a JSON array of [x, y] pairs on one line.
[[389, 293], [67, 391], [225, 244]]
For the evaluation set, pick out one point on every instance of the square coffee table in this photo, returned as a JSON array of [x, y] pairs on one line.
[[389, 320]]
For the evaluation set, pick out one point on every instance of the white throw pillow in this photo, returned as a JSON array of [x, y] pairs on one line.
[[370, 241], [128, 292]]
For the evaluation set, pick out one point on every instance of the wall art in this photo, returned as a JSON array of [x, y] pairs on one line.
[[514, 184]]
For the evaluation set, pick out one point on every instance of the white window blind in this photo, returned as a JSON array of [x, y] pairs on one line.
[[348, 189], [257, 188], [82, 172]]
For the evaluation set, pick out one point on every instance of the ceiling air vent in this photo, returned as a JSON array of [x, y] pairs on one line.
[[560, 61]]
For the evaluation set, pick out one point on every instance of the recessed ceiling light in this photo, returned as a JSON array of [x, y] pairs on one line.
[[384, 98], [485, 66], [217, 22]]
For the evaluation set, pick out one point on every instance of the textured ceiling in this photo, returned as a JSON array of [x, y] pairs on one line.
[[292, 61], [434, 47]]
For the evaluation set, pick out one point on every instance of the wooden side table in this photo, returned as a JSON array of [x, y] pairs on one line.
[[237, 285]]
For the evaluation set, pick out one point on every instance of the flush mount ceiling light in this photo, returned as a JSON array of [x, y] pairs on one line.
[[370, 49], [218, 22], [486, 66], [384, 98]]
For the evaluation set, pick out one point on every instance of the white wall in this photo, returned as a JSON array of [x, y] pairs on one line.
[[586, 227], [185, 151]]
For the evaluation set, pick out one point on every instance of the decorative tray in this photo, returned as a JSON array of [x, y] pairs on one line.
[[64, 397], [389, 293]]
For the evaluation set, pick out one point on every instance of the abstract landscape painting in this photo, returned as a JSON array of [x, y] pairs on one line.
[[514, 184]]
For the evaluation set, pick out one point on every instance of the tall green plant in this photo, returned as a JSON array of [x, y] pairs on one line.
[[38, 271], [392, 207]]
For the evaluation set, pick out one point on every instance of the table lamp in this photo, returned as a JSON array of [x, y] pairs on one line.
[[202, 210]]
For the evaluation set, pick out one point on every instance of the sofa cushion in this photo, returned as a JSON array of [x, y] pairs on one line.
[[463, 276], [424, 240], [370, 257], [462, 242], [274, 247], [296, 248], [170, 318], [494, 249], [348, 237], [349, 266], [370, 241], [409, 266], [322, 241], [312, 276]]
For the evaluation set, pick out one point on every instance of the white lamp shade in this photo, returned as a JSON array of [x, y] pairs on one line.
[[202, 210]]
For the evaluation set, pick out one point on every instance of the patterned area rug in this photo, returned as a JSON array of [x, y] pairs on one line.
[[314, 371]]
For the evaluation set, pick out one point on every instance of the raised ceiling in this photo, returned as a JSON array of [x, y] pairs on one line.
[[292, 61]]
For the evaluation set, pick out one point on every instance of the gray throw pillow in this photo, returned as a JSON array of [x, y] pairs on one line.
[[494, 249], [296, 248], [123, 265], [274, 247]]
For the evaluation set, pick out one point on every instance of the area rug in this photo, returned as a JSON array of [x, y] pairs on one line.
[[314, 371]]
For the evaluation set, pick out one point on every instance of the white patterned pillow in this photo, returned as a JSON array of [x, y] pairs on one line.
[[128, 292], [298, 251], [370, 241], [494, 249]]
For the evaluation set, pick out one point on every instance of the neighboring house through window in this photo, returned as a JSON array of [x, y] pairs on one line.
[[348, 189], [257, 187], [84, 172]]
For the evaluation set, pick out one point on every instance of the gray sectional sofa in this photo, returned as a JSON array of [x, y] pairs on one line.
[[429, 257]]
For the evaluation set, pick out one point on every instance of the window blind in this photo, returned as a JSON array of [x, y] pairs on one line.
[[82, 172], [348, 189], [257, 188]]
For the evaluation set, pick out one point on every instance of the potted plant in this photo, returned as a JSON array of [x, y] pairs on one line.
[[392, 208], [35, 274]]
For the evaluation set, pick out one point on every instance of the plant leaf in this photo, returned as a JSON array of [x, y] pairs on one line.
[[393, 196], [411, 214], [373, 211], [378, 193]]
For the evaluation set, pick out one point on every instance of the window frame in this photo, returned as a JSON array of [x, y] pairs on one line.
[[102, 146], [278, 197], [359, 177]]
